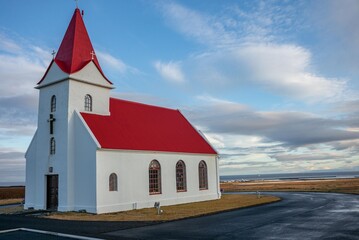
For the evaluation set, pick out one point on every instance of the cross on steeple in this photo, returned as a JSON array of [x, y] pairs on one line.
[[51, 120], [77, 3], [92, 55], [53, 54]]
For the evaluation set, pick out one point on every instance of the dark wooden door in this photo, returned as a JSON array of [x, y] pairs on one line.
[[52, 192]]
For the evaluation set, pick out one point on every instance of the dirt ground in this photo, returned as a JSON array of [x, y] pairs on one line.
[[322, 185]]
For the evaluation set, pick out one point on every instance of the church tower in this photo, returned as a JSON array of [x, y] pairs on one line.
[[74, 82]]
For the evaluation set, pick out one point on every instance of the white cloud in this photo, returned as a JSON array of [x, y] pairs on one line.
[[112, 62], [170, 71], [294, 141], [321, 156], [285, 69], [194, 24], [334, 28], [243, 48], [14, 82], [22, 66], [289, 127], [12, 164], [8, 45]]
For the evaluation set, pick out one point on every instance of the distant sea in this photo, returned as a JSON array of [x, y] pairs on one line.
[[291, 176], [10, 184]]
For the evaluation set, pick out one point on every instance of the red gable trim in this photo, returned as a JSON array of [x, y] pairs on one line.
[[136, 126], [47, 70]]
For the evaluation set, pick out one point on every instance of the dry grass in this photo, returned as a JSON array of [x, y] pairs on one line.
[[12, 192], [330, 185], [227, 202], [11, 210], [10, 201]]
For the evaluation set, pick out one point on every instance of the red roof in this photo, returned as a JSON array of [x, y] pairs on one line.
[[137, 126], [76, 48]]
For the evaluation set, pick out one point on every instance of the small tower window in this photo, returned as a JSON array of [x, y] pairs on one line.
[[53, 103], [52, 146], [113, 182], [202, 172], [88, 103]]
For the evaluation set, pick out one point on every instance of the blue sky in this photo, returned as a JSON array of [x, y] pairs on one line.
[[273, 84]]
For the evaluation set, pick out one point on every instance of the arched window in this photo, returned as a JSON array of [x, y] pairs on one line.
[[154, 171], [53, 103], [52, 146], [113, 182], [88, 103], [202, 173], [181, 176]]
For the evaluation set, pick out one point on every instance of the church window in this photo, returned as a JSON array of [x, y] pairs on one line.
[[181, 176], [113, 182], [52, 146], [88, 103], [155, 177], [202, 172], [53, 103]]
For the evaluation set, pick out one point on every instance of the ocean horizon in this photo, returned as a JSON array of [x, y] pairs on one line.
[[291, 176], [11, 184]]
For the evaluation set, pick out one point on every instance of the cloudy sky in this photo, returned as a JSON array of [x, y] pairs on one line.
[[274, 85]]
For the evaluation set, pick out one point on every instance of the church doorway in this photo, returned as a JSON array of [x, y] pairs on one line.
[[52, 192]]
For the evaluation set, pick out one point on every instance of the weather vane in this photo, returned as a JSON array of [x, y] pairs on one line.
[[77, 3]]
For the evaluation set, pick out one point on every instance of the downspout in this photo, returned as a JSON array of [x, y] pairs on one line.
[[219, 194]]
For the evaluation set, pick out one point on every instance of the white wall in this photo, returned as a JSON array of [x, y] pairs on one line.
[[30, 183], [42, 157], [75, 146], [84, 166], [131, 168], [91, 74], [100, 97]]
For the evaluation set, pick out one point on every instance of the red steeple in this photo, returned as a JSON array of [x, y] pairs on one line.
[[76, 50]]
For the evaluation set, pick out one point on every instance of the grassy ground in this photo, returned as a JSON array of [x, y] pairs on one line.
[[11, 209], [227, 202], [11, 201], [330, 185]]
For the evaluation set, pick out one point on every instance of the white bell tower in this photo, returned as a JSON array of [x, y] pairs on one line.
[[74, 82]]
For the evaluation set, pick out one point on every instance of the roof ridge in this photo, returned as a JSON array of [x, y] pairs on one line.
[[145, 104], [74, 43]]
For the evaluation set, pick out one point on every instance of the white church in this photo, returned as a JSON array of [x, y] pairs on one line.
[[101, 154]]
